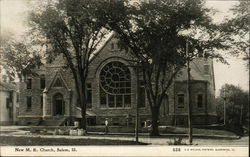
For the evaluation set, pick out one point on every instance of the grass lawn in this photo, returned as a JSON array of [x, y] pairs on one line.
[[184, 130], [124, 129], [35, 141]]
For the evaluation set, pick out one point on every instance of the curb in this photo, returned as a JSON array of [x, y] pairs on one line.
[[165, 135], [99, 135]]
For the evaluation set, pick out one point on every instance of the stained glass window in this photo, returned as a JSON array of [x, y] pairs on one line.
[[29, 103], [115, 85], [200, 100], [180, 100], [42, 81], [89, 95], [29, 83]]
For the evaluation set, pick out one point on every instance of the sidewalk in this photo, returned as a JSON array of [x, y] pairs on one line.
[[15, 130], [164, 135], [12, 131], [146, 139], [143, 137], [200, 139]]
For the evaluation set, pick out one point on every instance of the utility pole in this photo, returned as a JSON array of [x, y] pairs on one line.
[[241, 113], [224, 102], [190, 135], [136, 68], [137, 103]]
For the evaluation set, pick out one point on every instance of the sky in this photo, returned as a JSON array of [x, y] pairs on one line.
[[13, 19], [236, 72]]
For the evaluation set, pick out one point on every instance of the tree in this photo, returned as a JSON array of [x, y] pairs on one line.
[[238, 28], [4, 39], [70, 27], [156, 33], [236, 106], [19, 58]]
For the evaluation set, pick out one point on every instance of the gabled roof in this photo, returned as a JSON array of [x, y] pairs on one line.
[[196, 71], [58, 75], [106, 39], [61, 61]]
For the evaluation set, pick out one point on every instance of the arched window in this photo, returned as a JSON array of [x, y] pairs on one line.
[[42, 81], [29, 83], [115, 85]]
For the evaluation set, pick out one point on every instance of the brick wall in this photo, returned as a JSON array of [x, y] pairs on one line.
[[170, 115], [109, 54], [35, 92]]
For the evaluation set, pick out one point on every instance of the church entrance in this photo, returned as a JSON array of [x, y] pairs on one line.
[[58, 104]]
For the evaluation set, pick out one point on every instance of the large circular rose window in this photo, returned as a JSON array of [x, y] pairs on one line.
[[115, 78], [115, 82]]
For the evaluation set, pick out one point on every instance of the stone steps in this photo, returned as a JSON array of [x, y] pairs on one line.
[[53, 121]]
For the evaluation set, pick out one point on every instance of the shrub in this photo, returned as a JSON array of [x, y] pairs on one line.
[[177, 141]]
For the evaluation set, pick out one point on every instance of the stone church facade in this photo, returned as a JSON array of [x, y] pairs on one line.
[[50, 98]]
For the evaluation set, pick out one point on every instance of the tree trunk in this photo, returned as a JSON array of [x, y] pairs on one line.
[[82, 100], [83, 109], [83, 119], [155, 118]]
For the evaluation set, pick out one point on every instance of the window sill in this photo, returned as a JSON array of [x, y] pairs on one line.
[[112, 108]]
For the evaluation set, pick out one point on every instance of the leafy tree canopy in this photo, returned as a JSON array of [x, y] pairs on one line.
[[70, 28], [238, 28], [236, 103], [233, 94], [164, 27], [19, 58], [157, 33]]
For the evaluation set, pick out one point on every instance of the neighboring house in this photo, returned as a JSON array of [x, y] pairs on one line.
[[51, 99], [8, 103]]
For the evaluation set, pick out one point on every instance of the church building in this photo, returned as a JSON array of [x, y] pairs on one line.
[[50, 98]]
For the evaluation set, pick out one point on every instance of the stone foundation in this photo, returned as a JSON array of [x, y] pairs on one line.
[[29, 121]]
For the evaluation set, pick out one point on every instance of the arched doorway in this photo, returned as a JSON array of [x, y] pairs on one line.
[[58, 104]]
